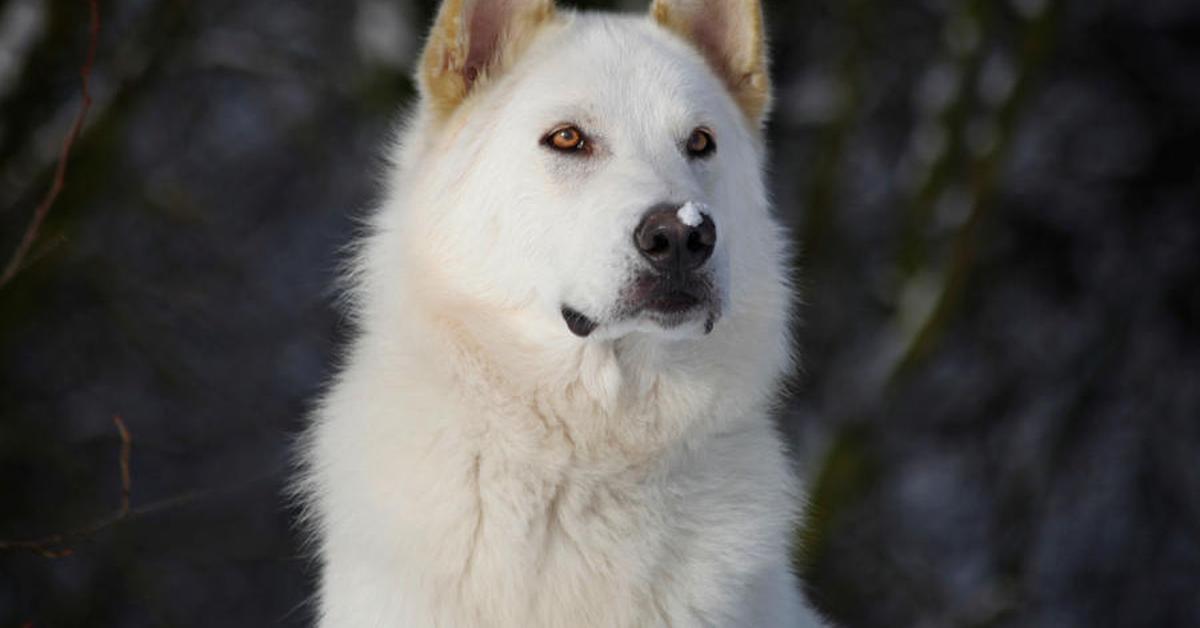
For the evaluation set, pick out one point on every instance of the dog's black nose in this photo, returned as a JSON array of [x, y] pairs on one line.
[[676, 239]]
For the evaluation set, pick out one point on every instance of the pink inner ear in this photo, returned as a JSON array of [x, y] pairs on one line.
[[710, 28], [486, 25]]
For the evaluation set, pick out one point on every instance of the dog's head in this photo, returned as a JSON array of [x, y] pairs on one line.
[[598, 172]]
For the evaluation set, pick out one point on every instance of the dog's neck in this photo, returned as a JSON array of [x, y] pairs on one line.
[[612, 398]]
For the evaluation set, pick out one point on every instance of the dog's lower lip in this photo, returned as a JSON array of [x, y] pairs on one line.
[[672, 302], [578, 323]]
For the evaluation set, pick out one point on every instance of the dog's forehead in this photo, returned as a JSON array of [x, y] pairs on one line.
[[623, 67]]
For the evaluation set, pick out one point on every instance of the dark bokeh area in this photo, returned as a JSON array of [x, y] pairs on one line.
[[998, 210]]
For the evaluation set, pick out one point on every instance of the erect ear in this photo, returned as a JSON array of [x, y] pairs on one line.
[[730, 35], [472, 39]]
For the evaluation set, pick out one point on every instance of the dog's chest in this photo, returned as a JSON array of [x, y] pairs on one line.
[[614, 548], [564, 541]]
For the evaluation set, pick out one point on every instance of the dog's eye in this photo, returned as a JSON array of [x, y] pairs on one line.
[[566, 139], [701, 143]]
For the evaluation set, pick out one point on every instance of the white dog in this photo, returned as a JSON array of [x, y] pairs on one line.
[[573, 308]]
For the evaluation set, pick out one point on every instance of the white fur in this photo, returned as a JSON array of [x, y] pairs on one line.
[[475, 464]]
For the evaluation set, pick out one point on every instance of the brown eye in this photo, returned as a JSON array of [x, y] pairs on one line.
[[567, 139], [701, 143]]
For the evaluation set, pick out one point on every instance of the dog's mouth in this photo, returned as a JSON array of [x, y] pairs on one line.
[[670, 309], [671, 303], [668, 302]]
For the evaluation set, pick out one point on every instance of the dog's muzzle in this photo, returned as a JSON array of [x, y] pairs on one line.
[[677, 287]]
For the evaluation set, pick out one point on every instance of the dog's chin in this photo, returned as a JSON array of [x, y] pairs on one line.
[[679, 312], [669, 305], [671, 315]]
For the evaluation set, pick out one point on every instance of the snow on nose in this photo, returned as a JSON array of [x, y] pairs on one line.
[[692, 213]]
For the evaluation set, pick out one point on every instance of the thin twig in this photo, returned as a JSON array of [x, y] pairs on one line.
[[52, 546], [59, 545], [16, 263], [126, 479]]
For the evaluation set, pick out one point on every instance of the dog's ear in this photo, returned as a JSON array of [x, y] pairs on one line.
[[730, 35], [472, 39]]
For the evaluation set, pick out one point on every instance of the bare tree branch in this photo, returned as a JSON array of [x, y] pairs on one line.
[[59, 545], [16, 263]]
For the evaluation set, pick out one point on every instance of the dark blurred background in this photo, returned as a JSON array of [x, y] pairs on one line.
[[997, 204]]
